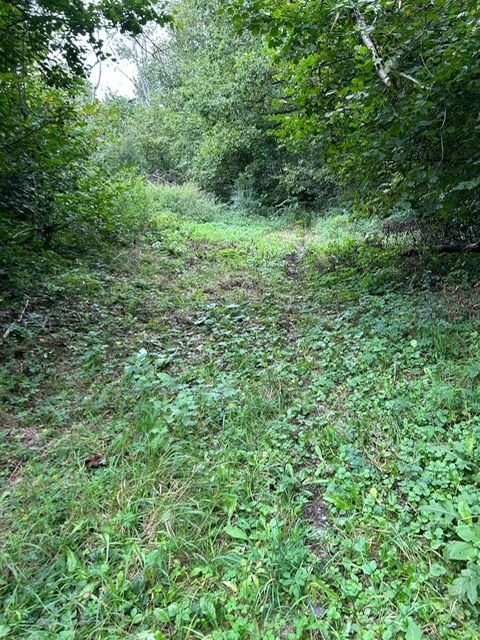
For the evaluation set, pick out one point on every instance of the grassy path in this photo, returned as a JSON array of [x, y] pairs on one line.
[[227, 433]]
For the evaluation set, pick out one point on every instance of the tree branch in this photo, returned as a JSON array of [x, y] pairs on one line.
[[371, 46], [11, 327], [411, 79]]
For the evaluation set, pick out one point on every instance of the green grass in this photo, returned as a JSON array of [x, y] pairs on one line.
[[205, 436]]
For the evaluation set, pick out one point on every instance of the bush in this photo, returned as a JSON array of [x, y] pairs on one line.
[[185, 201]]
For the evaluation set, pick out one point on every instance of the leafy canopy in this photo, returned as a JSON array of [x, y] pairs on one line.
[[207, 97], [389, 88], [45, 145], [55, 35]]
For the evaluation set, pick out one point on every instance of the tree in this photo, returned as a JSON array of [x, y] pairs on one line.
[[211, 93], [54, 36], [389, 92], [43, 141]]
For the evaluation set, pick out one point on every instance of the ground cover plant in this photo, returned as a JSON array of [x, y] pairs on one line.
[[236, 428], [239, 320]]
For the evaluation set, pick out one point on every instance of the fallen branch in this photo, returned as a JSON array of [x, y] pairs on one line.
[[14, 324], [474, 247]]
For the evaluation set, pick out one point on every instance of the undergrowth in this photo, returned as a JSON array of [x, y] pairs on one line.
[[240, 428]]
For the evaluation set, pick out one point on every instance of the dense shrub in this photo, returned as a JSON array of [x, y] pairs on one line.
[[209, 115]]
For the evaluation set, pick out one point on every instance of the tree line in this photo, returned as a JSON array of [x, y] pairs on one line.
[[264, 103]]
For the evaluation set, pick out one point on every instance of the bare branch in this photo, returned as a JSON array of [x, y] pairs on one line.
[[371, 46], [412, 79], [14, 324]]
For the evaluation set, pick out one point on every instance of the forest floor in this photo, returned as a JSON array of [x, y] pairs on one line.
[[238, 430]]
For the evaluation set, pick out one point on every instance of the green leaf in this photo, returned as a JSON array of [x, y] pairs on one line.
[[437, 570], [413, 631], [466, 585], [208, 609], [467, 185], [72, 561], [468, 532], [137, 618], [235, 532], [460, 551], [472, 591], [464, 510]]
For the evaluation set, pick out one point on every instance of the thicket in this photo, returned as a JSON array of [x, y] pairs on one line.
[[388, 91], [53, 191], [205, 109], [281, 103]]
